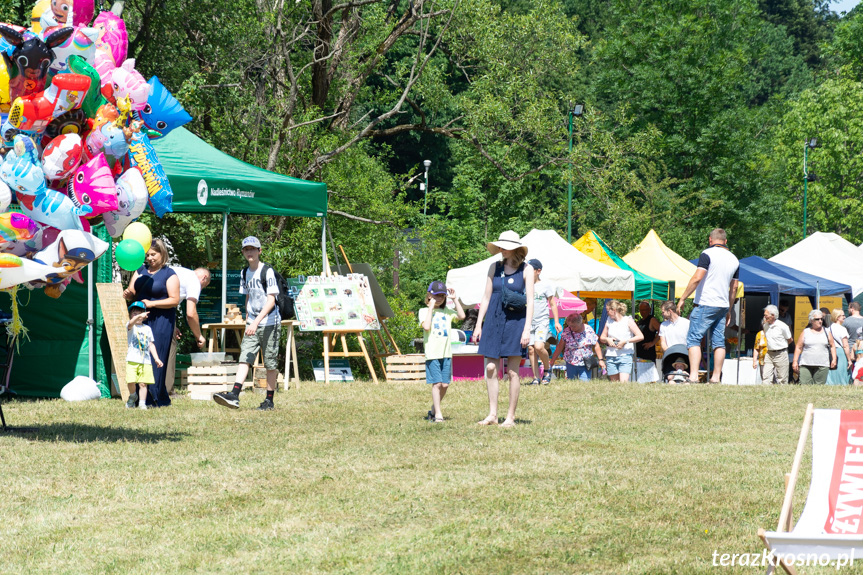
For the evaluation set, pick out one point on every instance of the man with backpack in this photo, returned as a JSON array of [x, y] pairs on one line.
[[263, 325]]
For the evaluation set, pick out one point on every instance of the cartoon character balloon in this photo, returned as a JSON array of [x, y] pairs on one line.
[[15, 227], [124, 81], [68, 255], [131, 200], [34, 112], [22, 171], [81, 43], [48, 13], [61, 156], [143, 156], [163, 112], [93, 187], [28, 64], [113, 42]]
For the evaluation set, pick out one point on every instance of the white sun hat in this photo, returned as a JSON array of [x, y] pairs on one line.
[[507, 240]]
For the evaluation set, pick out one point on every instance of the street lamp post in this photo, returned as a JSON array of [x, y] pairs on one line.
[[575, 112], [807, 175], [427, 164]]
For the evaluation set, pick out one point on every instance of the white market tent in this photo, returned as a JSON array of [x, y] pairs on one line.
[[826, 255], [562, 266]]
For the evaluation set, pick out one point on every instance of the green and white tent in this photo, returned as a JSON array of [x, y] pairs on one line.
[[206, 180]]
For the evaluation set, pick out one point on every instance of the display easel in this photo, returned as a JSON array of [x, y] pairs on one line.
[[330, 351], [377, 336]]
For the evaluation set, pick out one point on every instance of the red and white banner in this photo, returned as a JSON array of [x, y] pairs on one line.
[[845, 497]]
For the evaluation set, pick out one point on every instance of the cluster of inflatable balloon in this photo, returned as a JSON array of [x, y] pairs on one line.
[[77, 120]]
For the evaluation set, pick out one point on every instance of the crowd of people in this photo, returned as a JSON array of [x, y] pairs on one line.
[[512, 323]]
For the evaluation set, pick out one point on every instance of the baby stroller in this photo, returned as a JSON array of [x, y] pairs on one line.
[[675, 354]]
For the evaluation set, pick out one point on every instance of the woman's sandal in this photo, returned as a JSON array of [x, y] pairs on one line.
[[436, 420], [488, 421]]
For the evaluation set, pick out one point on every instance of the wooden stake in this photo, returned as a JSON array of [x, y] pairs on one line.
[[784, 517]]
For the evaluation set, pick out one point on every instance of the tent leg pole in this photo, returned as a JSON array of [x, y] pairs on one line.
[[91, 323], [224, 269], [324, 244]]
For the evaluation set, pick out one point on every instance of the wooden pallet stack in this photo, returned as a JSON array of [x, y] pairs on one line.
[[406, 368], [204, 381]]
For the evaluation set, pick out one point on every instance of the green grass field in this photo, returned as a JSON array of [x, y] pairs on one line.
[[349, 478]]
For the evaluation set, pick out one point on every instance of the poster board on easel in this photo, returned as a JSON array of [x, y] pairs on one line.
[[115, 312], [334, 303]]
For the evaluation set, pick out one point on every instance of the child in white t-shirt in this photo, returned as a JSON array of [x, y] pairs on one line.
[[139, 368], [436, 320]]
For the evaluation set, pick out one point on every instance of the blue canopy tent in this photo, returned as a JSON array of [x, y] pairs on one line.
[[817, 286], [761, 276]]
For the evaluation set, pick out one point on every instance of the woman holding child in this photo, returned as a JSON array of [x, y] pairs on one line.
[[502, 332], [619, 334], [158, 288]]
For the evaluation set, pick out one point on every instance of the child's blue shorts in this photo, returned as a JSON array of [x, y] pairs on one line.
[[439, 370]]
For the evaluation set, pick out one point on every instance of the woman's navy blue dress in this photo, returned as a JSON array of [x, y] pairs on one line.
[[162, 321], [502, 329]]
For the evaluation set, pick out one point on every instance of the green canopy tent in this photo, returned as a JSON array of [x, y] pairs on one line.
[[64, 333], [646, 287], [206, 180]]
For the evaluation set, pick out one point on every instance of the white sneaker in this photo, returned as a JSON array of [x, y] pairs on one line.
[[143, 406]]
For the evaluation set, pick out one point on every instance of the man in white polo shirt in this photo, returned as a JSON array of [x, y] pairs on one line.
[[191, 284], [674, 329], [778, 337], [715, 285]]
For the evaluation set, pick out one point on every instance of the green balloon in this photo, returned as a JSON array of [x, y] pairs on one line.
[[129, 255]]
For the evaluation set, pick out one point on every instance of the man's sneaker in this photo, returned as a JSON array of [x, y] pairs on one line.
[[132, 402], [143, 406], [546, 377], [228, 399], [266, 405]]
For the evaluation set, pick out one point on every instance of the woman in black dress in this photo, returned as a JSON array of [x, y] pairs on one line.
[[649, 326], [504, 333], [158, 287]]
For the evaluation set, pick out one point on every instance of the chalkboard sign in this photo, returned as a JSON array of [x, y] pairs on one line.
[[210, 305]]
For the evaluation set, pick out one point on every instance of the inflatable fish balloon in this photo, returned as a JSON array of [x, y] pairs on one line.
[[93, 186]]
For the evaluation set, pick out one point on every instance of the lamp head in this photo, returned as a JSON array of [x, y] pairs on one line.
[[578, 110], [427, 163], [813, 143]]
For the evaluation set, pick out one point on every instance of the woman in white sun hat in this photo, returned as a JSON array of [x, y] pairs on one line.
[[502, 332]]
